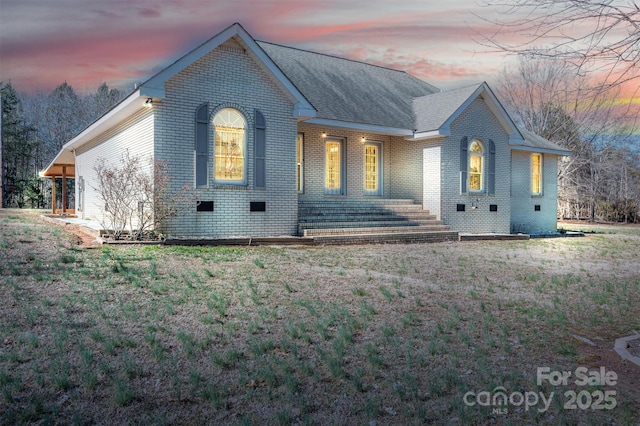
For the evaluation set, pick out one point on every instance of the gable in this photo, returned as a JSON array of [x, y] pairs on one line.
[[226, 74], [436, 112], [155, 86]]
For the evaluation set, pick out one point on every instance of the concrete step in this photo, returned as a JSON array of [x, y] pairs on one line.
[[360, 217], [380, 224], [376, 230], [376, 202], [351, 217], [387, 238]]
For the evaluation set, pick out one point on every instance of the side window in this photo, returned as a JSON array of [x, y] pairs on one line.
[[536, 174], [230, 147]]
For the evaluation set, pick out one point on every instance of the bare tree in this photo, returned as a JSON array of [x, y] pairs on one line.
[[547, 98], [600, 36], [65, 117], [102, 101], [137, 202]]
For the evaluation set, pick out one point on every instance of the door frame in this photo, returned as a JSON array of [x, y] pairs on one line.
[[343, 168], [379, 191]]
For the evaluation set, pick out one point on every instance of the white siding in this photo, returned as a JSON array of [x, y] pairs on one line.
[[136, 134]]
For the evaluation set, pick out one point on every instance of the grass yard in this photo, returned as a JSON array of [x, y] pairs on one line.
[[380, 334]]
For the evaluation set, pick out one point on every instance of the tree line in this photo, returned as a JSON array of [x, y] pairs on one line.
[[600, 181], [34, 129]]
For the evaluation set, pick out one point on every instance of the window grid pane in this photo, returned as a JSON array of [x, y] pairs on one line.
[[230, 146], [332, 178], [371, 168], [475, 173], [229, 154], [536, 174]]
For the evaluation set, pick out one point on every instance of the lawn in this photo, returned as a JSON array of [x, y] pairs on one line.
[[378, 334]]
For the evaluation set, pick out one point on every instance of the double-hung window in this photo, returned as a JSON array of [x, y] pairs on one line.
[[230, 147], [476, 166], [536, 174]]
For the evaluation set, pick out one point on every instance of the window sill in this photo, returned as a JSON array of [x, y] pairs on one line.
[[537, 195], [231, 186]]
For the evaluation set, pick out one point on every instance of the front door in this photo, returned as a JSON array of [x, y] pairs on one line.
[[372, 169], [334, 176]]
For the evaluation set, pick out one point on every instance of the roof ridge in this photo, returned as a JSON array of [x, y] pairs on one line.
[[334, 56]]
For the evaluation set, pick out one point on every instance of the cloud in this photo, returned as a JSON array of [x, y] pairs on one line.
[[128, 40], [147, 12]]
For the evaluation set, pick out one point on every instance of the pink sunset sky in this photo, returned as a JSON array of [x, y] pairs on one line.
[[86, 42]]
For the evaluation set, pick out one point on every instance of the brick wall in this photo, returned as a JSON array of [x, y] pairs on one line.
[[228, 77], [314, 163], [407, 167], [524, 216], [477, 122]]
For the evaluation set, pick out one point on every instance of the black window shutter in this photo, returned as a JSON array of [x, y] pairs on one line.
[[260, 150], [202, 145], [463, 165], [492, 167]]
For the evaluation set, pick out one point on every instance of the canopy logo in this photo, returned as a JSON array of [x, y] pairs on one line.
[[500, 400]]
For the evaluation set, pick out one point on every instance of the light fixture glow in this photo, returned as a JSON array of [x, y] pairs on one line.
[[148, 103], [363, 139], [324, 135]]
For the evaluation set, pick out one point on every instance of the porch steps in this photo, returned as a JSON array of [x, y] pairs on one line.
[[374, 230], [370, 221]]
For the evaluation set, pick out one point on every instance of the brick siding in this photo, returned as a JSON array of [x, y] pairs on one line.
[[524, 217], [229, 77], [477, 122]]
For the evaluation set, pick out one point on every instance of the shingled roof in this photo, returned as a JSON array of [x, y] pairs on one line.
[[350, 91], [434, 110], [534, 142]]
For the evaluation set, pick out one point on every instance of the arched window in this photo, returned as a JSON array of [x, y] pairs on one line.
[[476, 166], [231, 146]]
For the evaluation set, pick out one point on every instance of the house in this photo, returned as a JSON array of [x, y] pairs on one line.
[[276, 140]]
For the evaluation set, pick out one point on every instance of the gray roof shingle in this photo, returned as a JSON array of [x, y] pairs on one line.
[[432, 111], [345, 90], [537, 142]]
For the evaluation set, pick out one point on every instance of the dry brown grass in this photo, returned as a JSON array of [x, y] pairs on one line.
[[391, 334]]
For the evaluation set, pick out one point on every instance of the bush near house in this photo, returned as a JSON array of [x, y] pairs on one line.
[[137, 201]]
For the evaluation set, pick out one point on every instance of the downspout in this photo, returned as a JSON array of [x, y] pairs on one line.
[[76, 188]]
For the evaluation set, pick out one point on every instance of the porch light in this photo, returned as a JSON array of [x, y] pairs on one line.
[[363, 139], [148, 103], [324, 135]]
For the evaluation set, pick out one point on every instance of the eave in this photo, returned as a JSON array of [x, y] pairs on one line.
[[370, 128], [128, 106]]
